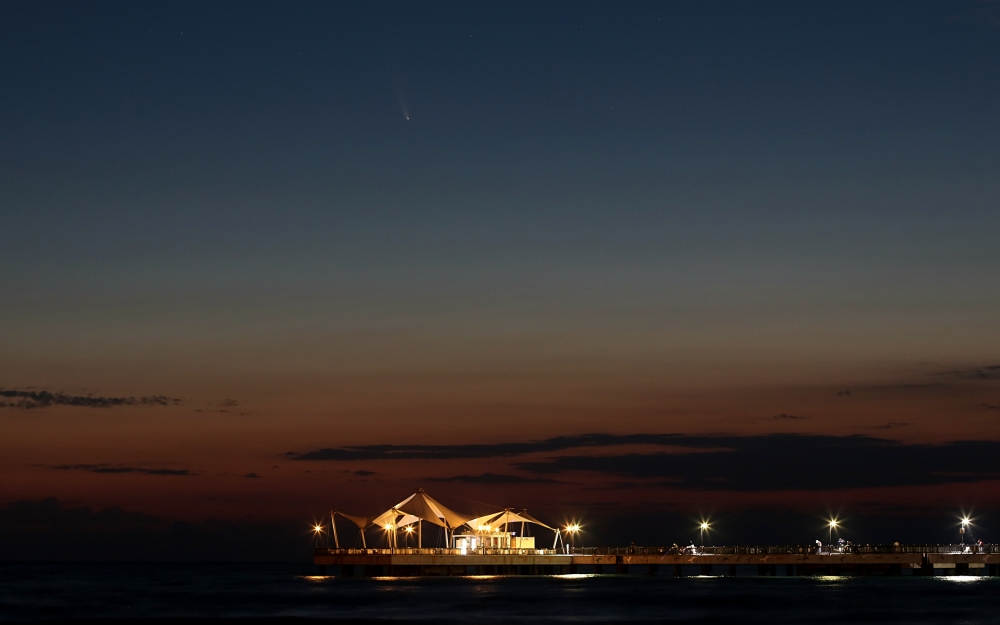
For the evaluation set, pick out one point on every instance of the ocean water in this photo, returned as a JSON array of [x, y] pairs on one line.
[[283, 592]]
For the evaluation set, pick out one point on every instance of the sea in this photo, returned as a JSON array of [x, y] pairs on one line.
[[292, 593]]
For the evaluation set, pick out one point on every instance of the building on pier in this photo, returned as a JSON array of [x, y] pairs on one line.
[[504, 530]]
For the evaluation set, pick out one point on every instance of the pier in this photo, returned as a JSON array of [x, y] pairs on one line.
[[886, 560], [497, 543]]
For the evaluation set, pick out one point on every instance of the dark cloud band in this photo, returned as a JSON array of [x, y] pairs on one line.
[[989, 372], [456, 452], [107, 468], [494, 478], [748, 463], [42, 399], [794, 462]]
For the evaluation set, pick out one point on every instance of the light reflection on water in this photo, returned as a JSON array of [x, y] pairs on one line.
[[833, 581], [101, 592]]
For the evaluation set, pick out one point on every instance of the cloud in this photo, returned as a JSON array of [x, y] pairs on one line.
[[989, 372], [843, 393], [750, 463], [494, 478], [107, 468], [364, 473], [496, 450], [891, 425], [43, 399], [252, 475], [988, 406], [792, 462], [788, 416]]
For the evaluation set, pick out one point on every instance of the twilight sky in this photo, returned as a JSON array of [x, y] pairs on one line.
[[580, 257]]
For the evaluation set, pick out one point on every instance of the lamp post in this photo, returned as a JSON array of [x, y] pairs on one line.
[[701, 530], [965, 523], [317, 532], [572, 530], [390, 536], [833, 526]]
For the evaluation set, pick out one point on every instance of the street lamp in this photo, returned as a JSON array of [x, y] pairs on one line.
[[833, 526], [572, 530], [702, 529], [965, 523], [317, 532], [390, 535]]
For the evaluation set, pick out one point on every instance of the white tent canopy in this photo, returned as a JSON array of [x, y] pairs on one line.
[[393, 518], [424, 507], [361, 521], [496, 519]]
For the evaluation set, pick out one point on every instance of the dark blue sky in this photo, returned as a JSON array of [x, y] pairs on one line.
[[460, 223]]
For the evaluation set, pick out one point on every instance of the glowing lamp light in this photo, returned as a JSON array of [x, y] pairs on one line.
[[966, 522], [409, 528], [573, 528], [388, 527], [704, 526], [833, 524], [317, 528]]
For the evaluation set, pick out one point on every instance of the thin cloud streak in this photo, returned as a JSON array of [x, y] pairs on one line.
[[107, 468], [494, 478], [28, 400], [989, 372], [496, 450]]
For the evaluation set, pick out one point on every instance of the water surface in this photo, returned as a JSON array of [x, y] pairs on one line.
[[290, 592]]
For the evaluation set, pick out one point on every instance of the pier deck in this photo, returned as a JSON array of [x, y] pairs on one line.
[[867, 560]]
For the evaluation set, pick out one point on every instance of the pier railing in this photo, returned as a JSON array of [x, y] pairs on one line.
[[411, 551], [788, 550], [689, 550]]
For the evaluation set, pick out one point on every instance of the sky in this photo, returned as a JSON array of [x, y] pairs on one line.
[[607, 261]]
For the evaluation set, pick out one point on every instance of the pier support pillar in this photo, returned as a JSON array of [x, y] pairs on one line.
[[706, 569], [962, 568], [321, 569], [651, 569], [790, 570], [347, 570], [572, 569], [992, 570], [678, 571], [598, 569], [732, 570]]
